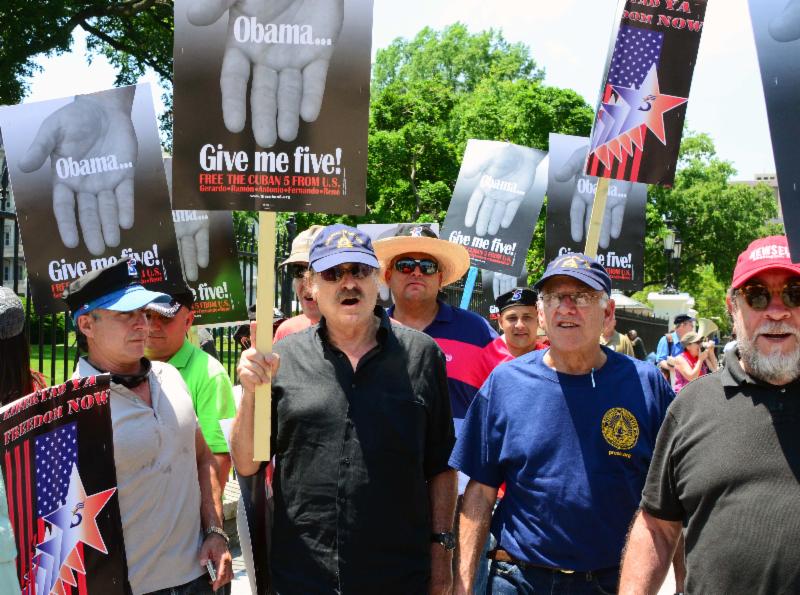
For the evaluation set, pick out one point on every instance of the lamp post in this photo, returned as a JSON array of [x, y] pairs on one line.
[[676, 263], [669, 251]]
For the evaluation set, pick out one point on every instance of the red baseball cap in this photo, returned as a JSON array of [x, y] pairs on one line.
[[764, 254]]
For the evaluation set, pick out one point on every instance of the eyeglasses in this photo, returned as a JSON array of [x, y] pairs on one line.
[[426, 266], [298, 271], [357, 270], [758, 297], [581, 299]]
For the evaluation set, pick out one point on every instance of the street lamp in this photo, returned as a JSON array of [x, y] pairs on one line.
[[670, 246], [676, 261]]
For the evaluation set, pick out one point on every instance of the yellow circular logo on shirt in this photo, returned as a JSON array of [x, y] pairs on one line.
[[620, 428]]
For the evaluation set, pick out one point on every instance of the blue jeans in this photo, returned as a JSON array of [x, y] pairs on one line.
[[509, 579], [199, 586]]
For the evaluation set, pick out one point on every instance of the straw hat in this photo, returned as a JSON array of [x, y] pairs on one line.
[[453, 258], [301, 245]]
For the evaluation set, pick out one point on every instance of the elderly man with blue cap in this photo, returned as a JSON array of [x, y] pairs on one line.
[[362, 431], [168, 492], [570, 431]]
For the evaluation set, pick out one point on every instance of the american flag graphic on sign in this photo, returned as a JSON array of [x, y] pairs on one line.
[[638, 126], [53, 517]]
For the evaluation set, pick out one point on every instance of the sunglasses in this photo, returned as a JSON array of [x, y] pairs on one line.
[[357, 270], [298, 271], [758, 297], [426, 266]]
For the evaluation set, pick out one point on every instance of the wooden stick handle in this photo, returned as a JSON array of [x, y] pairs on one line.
[[596, 222], [265, 298]]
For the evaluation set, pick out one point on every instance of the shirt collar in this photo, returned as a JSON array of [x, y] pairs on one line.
[[383, 328], [445, 312], [734, 376], [182, 356]]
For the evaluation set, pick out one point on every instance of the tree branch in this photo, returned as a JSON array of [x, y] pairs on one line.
[[117, 45]]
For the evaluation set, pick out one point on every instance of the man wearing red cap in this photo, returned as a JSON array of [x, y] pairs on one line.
[[727, 458]]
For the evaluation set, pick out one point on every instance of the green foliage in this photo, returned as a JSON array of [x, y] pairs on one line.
[[133, 34], [716, 219]]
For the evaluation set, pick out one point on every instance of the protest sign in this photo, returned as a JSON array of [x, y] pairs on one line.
[[639, 123], [776, 25], [102, 198], [569, 205], [61, 485], [298, 140], [210, 262], [495, 204]]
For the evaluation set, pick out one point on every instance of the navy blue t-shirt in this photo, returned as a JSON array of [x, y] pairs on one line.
[[573, 450]]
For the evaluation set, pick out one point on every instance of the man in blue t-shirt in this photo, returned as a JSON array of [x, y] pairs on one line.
[[571, 432]]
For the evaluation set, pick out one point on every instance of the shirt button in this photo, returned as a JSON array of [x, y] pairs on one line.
[[783, 390], [353, 385], [346, 461]]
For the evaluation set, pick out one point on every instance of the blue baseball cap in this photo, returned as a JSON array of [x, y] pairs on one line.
[[116, 287], [338, 244], [578, 266]]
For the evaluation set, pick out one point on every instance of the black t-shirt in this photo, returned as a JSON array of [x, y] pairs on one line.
[[727, 464], [354, 450]]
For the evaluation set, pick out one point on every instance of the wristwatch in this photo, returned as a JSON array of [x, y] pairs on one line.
[[218, 531], [446, 539]]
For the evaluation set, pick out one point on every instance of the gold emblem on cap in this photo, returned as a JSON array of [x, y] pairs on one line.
[[344, 239], [572, 262], [620, 428]]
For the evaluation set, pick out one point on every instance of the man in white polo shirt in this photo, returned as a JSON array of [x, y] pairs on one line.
[[168, 490]]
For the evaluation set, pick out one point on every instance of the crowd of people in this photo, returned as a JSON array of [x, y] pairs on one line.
[[417, 451]]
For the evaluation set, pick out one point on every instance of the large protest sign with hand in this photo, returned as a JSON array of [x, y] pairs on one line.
[[776, 24], [569, 206], [639, 123], [210, 262], [89, 186], [271, 104], [58, 469], [495, 204]]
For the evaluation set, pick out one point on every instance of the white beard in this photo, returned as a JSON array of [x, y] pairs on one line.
[[775, 367]]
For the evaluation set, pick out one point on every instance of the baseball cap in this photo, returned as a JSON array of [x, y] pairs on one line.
[[180, 297], [12, 314], [681, 318], [116, 287], [578, 266], [519, 296], [764, 254], [301, 245], [338, 244]]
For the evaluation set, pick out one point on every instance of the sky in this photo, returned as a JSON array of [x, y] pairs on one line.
[[569, 39]]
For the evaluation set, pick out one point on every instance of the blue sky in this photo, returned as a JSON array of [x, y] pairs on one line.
[[569, 39]]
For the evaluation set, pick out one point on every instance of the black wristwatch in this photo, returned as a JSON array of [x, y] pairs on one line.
[[446, 539]]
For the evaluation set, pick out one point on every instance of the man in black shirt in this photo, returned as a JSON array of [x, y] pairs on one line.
[[727, 460], [362, 430]]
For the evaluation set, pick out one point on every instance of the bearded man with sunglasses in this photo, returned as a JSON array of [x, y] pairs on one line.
[[362, 431], [570, 431], [727, 461]]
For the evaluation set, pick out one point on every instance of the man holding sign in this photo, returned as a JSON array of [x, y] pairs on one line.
[[362, 430]]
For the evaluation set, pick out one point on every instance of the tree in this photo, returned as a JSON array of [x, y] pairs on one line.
[[431, 94], [133, 34], [715, 218]]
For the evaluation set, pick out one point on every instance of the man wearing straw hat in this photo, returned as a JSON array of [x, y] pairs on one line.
[[416, 264]]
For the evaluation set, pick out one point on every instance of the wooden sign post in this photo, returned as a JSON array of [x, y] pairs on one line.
[[596, 221], [265, 299]]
